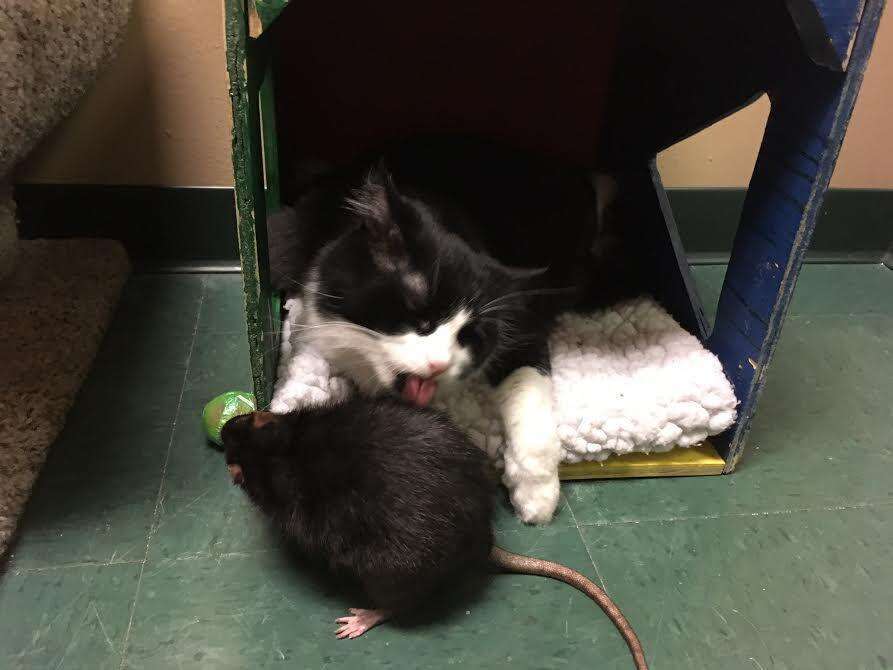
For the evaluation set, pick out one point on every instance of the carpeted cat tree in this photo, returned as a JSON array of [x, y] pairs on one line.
[[56, 296]]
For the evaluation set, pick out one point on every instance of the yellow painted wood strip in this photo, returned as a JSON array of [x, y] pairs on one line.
[[680, 462]]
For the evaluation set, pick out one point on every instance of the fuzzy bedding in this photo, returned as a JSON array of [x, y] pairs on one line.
[[54, 310], [625, 379]]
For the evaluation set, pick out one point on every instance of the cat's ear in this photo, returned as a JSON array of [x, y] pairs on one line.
[[375, 204], [373, 201]]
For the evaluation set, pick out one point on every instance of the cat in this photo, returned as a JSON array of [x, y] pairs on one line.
[[445, 258]]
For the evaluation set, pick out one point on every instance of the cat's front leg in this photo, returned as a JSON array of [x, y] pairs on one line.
[[532, 448]]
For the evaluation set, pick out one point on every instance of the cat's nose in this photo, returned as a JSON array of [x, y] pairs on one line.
[[437, 367]]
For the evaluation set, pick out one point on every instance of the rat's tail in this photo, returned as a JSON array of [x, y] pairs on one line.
[[527, 565]]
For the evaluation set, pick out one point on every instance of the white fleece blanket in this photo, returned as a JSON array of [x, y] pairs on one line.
[[625, 379]]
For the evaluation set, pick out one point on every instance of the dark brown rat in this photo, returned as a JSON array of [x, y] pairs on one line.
[[393, 496]]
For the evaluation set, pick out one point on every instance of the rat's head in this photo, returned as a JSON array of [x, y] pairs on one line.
[[251, 443]]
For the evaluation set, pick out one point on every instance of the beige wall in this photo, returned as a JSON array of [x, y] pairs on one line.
[[724, 154], [160, 115]]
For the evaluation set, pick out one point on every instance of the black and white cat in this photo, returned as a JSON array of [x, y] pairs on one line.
[[442, 259]]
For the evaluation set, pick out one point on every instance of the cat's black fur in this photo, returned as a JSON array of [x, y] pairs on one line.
[[392, 496], [477, 223]]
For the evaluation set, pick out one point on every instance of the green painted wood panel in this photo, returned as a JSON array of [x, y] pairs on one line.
[[247, 65], [268, 10]]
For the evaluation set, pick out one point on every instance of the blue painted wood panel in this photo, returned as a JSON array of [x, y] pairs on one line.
[[827, 28], [673, 283], [810, 110]]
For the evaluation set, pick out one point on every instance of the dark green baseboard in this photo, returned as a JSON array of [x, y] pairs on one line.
[[855, 224], [183, 227], [157, 225]]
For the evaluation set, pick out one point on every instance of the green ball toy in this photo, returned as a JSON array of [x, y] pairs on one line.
[[223, 408]]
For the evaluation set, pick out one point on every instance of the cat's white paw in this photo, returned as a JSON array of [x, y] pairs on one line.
[[535, 501], [532, 446], [531, 475]]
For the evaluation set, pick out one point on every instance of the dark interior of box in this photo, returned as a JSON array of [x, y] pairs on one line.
[[599, 84], [362, 73]]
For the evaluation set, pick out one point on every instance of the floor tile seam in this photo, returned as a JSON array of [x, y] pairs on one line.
[[217, 330], [586, 546], [837, 315], [72, 566], [160, 495], [219, 558], [740, 515], [526, 527]]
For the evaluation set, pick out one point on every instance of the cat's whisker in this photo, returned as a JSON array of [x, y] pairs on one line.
[[499, 322], [306, 288], [339, 324], [500, 308], [515, 294]]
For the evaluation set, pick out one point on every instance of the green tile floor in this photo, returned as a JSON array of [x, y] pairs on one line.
[[136, 552]]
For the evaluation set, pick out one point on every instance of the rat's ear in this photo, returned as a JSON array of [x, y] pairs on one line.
[[251, 431], [261, 419], [269, 431], [233, 431]]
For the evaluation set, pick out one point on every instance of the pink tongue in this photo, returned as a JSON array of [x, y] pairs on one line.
[[419, 391]]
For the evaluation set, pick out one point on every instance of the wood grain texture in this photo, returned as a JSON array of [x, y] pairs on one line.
[[827, 28], [811, 107], [655, 256], [245, 66]]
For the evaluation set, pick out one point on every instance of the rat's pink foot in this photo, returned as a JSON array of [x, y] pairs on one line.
[[360, 622]]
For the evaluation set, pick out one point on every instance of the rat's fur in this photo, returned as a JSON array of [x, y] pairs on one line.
[[392, 496]]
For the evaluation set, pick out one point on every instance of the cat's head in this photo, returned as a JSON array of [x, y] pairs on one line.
[[399, 301]]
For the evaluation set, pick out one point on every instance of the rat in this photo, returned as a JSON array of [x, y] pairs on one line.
[[392, 496]]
